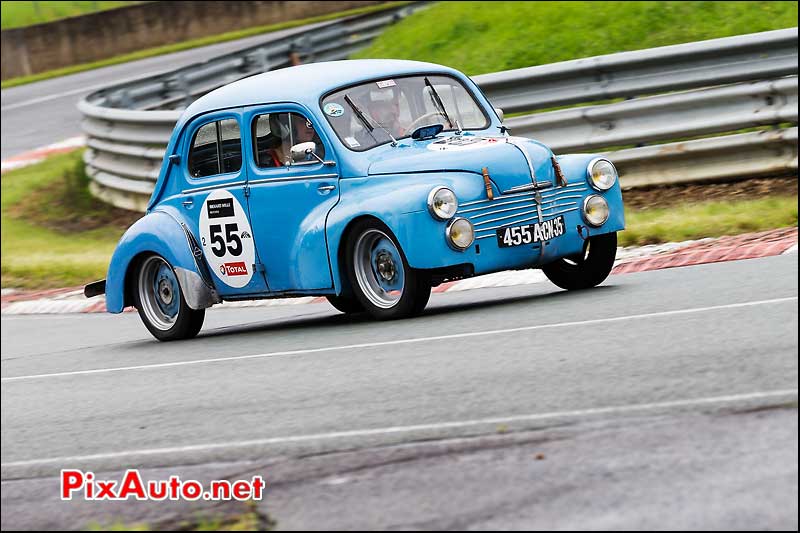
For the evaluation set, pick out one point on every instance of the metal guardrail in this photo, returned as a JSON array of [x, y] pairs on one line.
[[674, 92]]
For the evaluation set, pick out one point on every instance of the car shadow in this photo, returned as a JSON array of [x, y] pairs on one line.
[[338, 320]]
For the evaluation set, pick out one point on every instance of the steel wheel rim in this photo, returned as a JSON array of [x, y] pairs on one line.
[[159, 293], [379, 269]]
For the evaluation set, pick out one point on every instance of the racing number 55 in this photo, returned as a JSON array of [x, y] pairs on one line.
[[231, 237]]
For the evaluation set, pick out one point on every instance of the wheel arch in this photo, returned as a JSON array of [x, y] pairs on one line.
[[157, 233]]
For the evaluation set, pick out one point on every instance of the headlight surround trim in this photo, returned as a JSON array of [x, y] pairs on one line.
[[585, 206], [590, 173], [449, 234], [432, 199]]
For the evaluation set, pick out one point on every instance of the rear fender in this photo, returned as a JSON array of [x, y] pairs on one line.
[[159, 233]]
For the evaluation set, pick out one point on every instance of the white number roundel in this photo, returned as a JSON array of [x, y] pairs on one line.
[[227, 239]]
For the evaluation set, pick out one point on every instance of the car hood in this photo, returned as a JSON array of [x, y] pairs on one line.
[[506, 159]]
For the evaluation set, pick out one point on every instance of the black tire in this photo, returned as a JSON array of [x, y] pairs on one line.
[[346, 304], [416, 288], [185, 323], [588, 269]]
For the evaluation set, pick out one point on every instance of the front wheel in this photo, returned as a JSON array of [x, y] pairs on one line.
[[160, 302], [383, 283], [345, 303], [587, 269]]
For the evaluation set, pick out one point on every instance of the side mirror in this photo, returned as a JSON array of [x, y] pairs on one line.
[[499, 113], [175, 159], [300, 152]]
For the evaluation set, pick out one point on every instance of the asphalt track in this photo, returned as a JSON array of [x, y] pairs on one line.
[[676, 389], [43, 113]]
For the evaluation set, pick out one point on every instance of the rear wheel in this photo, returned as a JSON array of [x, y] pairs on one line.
[[587, 269], [160, 302], [382, 282]]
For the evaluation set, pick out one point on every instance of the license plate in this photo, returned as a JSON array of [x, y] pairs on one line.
[[530, 233]]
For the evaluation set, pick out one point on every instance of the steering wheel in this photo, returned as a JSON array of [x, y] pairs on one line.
[[414, 124]]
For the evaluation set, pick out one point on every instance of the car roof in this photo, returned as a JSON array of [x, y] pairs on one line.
[[304, 84]]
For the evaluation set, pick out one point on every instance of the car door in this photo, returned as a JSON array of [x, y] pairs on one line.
[[289, 201], [215, 204]]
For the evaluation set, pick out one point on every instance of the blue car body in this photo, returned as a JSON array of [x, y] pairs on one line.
[[298, 216]]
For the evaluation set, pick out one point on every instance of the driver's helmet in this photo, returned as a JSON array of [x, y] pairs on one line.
[[278, 125]]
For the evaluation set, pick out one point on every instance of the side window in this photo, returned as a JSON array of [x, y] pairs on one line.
[[216, 149], [271, 140], [204, 159], [274, 135], [231, 142]]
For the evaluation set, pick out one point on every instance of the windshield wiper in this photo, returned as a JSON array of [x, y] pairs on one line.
[[363, 117], [438, 101]]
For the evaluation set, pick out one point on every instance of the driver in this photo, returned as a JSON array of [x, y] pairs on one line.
[[304, 132], [382, 106]]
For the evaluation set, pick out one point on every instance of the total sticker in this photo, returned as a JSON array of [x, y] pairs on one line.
[[227, 239]]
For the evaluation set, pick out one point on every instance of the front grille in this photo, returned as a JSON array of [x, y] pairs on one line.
[[514, 209]]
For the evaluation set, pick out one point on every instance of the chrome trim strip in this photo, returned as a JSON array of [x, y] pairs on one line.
[[528, 201], [524, 202], [504, 218], [292, 178], [215, 186], [501, 197], [569, 188]]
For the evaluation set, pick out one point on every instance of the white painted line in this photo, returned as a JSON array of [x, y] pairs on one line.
[[393, 430], [792, 250], [399, 341]]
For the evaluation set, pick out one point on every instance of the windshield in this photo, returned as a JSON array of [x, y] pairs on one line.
[[379, 111]]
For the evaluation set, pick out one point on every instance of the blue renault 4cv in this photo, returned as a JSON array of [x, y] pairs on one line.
[[367, 182]]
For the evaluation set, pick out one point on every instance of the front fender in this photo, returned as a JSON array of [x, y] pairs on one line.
[[574, 167], [400, 202], [159, 233]]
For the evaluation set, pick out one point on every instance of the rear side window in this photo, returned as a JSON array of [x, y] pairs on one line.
[[216, 149]]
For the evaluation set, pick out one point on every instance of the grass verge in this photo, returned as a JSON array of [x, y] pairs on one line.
[[19, 14], [707, 219], [54, 234], [477, 37], [194, 43], [251, 518]]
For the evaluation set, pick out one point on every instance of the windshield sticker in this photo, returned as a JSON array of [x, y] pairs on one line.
[[386, 83], [352, 142], [332, 109]]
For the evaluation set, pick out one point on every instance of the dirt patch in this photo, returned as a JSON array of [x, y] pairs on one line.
[[665, 196]]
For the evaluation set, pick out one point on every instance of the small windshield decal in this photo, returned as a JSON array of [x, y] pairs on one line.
[[352, 142], [386, 83], [333, 109]]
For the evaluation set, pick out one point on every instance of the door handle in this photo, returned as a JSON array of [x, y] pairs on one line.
[[188, 203], [325, 189]]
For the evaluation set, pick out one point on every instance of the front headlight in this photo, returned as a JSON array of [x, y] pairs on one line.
[[595, 210], [602, 174], [460, 234], [442, 203]]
